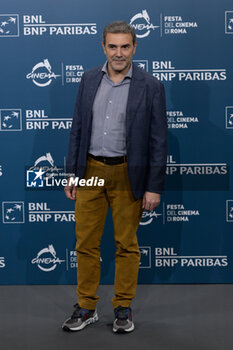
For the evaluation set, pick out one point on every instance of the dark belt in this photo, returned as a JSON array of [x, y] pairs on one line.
[[108, 160]]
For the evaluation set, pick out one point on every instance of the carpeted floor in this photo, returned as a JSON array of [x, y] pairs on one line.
[[166, 317]]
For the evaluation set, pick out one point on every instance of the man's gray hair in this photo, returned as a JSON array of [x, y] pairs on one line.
[[119, 27]]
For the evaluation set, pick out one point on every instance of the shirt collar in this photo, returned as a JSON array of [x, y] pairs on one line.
[[128, 74]]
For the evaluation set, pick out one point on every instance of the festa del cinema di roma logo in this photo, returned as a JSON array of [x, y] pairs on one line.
[[46, 259], [147, 217], [42, 74], [142, 25]]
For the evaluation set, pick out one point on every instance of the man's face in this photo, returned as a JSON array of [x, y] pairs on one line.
[[119, 50]]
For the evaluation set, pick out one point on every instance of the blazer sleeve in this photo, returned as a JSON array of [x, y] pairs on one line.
[[75, 132], [157, 142]]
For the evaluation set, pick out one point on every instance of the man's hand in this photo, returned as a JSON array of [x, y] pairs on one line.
[[70, 191], [150, 200]]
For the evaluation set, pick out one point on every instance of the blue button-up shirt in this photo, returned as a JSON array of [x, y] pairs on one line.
[[108, 137]]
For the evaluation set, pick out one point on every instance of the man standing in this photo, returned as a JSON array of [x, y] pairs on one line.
[[119, 134]]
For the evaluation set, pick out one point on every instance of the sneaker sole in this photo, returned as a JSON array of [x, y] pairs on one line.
[[83, 325], [123, 330]]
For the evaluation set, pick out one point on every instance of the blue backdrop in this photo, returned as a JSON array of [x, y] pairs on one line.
[[45, 48]]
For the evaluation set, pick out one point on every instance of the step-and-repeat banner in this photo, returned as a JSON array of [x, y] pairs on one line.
[[45, 49]]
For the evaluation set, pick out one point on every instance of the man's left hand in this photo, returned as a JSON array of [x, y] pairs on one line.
[[150, 200]]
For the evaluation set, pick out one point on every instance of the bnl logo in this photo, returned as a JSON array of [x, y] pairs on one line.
[[229, 210], [142, 64], [229, 117], [10, 120], [228, 22], [145, 262], [35, 178], [13, 212], [9, 25]]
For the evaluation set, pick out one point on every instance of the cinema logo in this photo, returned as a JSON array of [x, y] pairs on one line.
[[168, 24], [167, 257], [46, 259], [42, 212], [149, 216], [178, 120], [142, 24], [42, 74], [36, 25], [44, 166], [166, 71]]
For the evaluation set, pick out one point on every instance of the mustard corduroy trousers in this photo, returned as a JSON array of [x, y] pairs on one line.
[[91, 207]]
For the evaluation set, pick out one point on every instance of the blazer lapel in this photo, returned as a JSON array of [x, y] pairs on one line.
[[136, 90], [92, 85]]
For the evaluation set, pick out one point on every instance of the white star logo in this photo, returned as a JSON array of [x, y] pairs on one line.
[[39, 173]]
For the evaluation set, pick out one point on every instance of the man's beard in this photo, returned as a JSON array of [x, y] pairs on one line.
[[127, 64]]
